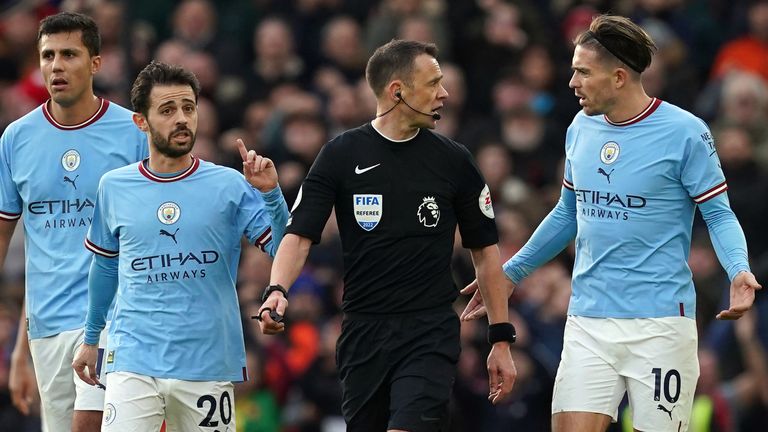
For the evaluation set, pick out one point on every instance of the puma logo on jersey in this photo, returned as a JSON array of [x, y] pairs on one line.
[[359, 170], [661, 407], [166, 233], [69, 180], [607, 175]]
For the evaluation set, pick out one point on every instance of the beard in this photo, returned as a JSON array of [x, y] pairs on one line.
[[166, 148]]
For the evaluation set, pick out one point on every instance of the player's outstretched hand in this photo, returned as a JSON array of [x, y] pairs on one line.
[[274, 307], [501, 372], [742, 296], [21, 383], [258, 170], [475, 308], [86, 359]]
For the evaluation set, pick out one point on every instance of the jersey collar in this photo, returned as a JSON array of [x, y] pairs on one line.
[[182, 175], [394, 140], [104, 104], [655, 102]]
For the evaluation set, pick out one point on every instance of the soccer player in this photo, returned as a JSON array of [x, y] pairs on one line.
[[399, 191], [636, 170], [171, 228], [51, 161]]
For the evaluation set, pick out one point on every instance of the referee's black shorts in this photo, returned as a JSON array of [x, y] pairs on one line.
[[397, 372]]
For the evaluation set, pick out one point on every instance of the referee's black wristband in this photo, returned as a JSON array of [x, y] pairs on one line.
[[501, 332], [270, 289]]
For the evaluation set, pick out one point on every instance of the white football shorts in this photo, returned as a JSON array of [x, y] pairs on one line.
[[61, 390], [653, 360], [139, 403]]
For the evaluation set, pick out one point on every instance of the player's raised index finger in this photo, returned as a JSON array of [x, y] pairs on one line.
[[241, 148]]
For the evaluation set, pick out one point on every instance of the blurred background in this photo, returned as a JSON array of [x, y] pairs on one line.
[[288, 75]]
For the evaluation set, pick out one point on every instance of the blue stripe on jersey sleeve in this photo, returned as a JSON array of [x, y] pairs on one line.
[[550, 238]]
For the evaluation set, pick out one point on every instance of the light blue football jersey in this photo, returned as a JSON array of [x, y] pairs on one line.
[[49, 174], [178, 240], [637, 185]]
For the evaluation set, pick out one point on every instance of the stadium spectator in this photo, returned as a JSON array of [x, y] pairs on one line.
[[746, 53]]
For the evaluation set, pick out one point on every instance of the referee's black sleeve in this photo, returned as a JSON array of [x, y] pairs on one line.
[[476, 228], [316, 197]]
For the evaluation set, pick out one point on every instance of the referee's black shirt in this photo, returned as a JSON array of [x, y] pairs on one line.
[[397, 206]]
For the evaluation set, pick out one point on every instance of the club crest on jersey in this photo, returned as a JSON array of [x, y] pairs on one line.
[[486, 206], [610, 152], [429, 212], [168, 213], [367, 210], [70, 160]]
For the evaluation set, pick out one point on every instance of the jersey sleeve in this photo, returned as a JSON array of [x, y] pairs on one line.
[[550, 238], [701, 174], [567, 168], [316, 197], [10, 200], [102, 286], [556, 230], [101, 239], [262, 217], [473, 206], [568, 175], [727, 236]]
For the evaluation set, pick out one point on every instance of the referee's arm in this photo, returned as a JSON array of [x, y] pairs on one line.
[[493, 287], [289, 260], [492, 282]]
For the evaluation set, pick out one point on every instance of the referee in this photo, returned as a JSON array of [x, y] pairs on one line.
[[399, 191]]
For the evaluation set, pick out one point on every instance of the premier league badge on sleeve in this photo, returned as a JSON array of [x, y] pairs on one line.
[[367, 210]]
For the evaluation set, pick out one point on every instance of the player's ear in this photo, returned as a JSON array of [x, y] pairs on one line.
[[95, 64], [140, 121], [620, 77]]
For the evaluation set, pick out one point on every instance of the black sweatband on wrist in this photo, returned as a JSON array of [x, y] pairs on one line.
[[501, 332], [270, 289]]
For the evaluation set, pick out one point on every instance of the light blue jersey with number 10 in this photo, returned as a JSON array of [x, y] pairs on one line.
[[630, 192], [49, 173]]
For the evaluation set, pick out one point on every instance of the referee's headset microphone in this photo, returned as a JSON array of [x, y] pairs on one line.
[[435, 116]]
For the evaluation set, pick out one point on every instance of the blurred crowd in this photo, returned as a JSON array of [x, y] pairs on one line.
[[288, 75]]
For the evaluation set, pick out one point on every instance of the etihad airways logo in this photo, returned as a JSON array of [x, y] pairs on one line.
[[180, 259], [609, 199], [59, 206], [62, 213], [171, 267], [619, 204]]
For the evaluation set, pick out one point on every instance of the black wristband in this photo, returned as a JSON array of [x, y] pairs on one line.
[[501, 332], [270, 289]]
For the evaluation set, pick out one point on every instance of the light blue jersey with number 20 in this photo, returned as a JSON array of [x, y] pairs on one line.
[[177, 242]]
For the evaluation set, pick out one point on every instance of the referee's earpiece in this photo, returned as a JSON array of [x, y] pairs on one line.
[[397, 94]]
